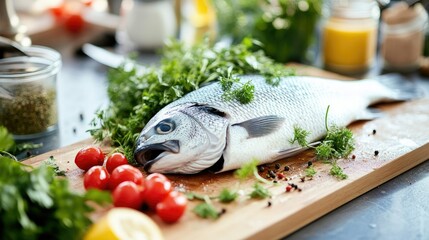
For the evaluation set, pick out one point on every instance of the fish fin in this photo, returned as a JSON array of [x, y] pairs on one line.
[[295, 150], [404, 88], [370, 114], [261, 126]]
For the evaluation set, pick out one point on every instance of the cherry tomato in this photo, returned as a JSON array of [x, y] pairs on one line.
[[172, 207], [156, 175], [89, 157], [96, 177], [74, 23], [125, 173], [115, 160], [156, 189], [128, 194]]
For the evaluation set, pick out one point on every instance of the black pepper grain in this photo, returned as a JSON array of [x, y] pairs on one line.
[[374, 132], [275, 181], [74, 130], [376, 153], [269, 204], [286, 168], [309, 163], [302, 179], [277, 166], [272, 174], [81, 117], [261, 168]]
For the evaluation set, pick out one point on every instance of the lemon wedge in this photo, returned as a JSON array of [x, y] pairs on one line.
[[124, 224]]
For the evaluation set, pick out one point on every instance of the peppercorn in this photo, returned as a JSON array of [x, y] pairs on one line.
[[222, 211], [374, 132], [288, 188], [376, 153], [353, 156], [286, 168], [269, 204], [277, 166], [261, 168], [275, 181], [299, 189], [280, 175], [302, 179], [81, 117], [309, 163], [272, 174]]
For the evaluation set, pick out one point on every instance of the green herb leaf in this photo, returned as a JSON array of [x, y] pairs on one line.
[[310, 171], [206, 210], [337, 172], [6, 140], [51, 162], [259, 192], [299, 135], [246, 170], [227, 196], [36, 205]]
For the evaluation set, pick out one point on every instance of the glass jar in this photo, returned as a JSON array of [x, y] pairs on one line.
[[146, 24], [28, 101], [403, 30], [350, 35]]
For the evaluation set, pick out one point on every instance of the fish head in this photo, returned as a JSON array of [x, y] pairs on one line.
[[185, 139]]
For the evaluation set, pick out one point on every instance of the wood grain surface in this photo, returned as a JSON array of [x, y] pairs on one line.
[[401, 139]]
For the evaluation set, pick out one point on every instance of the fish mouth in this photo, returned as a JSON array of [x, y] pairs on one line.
[[147, 155]]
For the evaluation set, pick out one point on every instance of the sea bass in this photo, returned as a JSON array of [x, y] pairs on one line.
[[204, 131]]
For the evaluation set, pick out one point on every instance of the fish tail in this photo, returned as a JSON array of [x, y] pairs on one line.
[[401, 87]]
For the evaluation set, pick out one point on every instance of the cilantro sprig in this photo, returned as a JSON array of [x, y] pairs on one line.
[[37, 205]]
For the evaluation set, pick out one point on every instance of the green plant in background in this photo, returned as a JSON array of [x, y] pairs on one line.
[[286, 28]]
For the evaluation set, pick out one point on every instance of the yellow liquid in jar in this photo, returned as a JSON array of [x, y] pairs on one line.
[[349, 47]]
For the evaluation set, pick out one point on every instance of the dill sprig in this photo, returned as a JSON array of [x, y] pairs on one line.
[[310, 171], [136, 96], [299, 135], [337, 172]]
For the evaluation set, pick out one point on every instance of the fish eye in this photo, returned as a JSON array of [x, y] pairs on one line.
[[165, 127]]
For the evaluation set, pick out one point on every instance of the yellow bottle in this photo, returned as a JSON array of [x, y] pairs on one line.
[[350, 36]]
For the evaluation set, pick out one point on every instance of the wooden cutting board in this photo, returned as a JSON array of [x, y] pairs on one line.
[[401, 139]]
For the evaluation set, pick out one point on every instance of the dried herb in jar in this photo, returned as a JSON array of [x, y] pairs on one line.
[[32, 109]]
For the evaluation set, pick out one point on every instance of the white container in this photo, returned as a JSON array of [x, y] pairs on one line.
[[146, 24]]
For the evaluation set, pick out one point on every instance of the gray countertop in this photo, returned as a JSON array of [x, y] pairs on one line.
[[398, 209]]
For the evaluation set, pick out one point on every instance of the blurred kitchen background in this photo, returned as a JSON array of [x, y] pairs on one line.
[[352, 37]]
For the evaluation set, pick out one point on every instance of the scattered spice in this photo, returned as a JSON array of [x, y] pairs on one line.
[[81, 117], [269, 204], [302, 179], [272, 174], [74, 130], [261, 168], [353, 156], [376, 153], [286, 168], [374, 132], [288, 188], [275, 181], [277, 166], [280, 176], [309, 163]]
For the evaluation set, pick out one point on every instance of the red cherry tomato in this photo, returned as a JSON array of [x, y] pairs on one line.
[[115, 160], [89, 157], [125, 173], [172, 207], [156, 189], [96, 177], [128, 194], [74, 23], [156, 175]]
